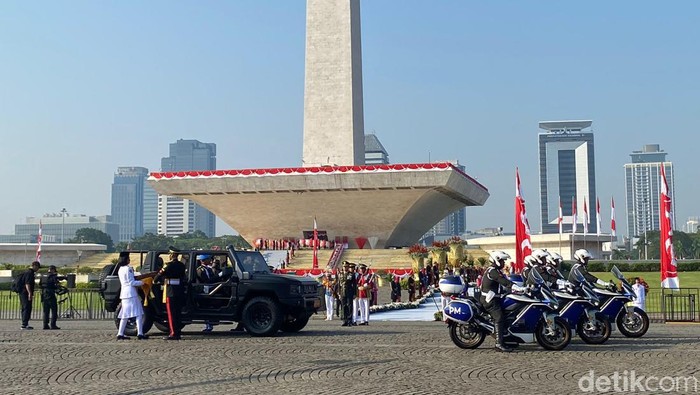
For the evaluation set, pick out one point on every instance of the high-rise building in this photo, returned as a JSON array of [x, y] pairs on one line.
[[176, 215], [150, 209], [643, 189], [128, 201], [567, 172], [375, 154], [691, 225]]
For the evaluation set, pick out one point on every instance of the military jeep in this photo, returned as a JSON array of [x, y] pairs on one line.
[[245, 292]]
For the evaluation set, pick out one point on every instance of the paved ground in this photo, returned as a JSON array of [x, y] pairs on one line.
[[385, 357]]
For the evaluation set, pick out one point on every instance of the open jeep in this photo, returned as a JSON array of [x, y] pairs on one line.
[[246, 292]]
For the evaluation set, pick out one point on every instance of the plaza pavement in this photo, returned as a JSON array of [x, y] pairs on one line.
[[384, 357]]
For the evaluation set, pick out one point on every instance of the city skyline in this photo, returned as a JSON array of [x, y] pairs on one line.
[[84, 92]]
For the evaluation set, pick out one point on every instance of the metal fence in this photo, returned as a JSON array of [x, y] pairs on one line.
[[662, 305], [79, 304]]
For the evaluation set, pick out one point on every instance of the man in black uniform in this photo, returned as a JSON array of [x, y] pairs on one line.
[[26, 294], [494, 285], [348, 291], [582, 257], [49, 286], [173, 275]]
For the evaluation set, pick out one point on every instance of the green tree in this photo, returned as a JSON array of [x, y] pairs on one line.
[[90, 235]]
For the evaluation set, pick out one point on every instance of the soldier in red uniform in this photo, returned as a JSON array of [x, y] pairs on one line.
[[364, 287]]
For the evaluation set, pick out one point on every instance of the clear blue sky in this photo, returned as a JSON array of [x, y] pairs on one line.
[[88, 86]]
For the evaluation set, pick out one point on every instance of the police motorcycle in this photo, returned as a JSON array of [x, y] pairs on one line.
[[527, 319], [631, 321]]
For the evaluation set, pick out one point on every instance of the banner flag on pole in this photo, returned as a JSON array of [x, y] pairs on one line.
[[585, 217], [669, 273], [560, 219], [38, 241], [523, 245], [597, 216], [612, 216], [574, 216], [315, 262]]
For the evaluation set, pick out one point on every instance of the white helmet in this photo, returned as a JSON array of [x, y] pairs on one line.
[[530, 261], [498, 258], [582, 256], [554, 259], [540, 255]]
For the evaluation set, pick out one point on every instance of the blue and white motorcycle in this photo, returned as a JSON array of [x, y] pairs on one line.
[[527, 319], [631, 321]]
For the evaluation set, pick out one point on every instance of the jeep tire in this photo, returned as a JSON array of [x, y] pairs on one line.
[[261, 317], [131, 329], [296, 322]]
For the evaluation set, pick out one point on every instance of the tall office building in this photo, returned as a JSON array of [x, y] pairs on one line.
[[128, 201], [175, 215], [643, 189], [375, 154], [567, 171], [150, 209], [691, 225]]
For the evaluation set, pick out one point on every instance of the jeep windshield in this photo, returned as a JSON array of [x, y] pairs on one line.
[[252, 262]]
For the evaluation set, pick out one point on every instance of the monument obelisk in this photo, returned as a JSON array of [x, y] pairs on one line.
[[333, 115]]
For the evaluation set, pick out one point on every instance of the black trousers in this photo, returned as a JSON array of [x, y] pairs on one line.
[[496, 312], [26, 307], [347, 310], [50, 305], [173, 305]]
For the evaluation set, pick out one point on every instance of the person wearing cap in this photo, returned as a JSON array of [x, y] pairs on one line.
[[330, 285], [206, 275], [364, 286], [348, 290], [173, 276], [49, 286], [130, 303]]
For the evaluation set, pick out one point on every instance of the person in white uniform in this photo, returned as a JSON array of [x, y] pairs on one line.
[[131, 303], [641, 292]]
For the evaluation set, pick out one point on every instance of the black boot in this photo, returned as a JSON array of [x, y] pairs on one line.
[[500, 346]]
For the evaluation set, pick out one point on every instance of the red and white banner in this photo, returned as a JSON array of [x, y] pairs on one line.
[[597, 216], [401, 273], [574, 216], [315, 241], [38, 241], [523, 245], [560, 219], [585, 217], [612, 217], [669, 274]]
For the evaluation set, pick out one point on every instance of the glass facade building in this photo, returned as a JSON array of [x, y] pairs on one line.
[[178, 216], [128, 202], [567, 171], [57, 227], [643, 189]]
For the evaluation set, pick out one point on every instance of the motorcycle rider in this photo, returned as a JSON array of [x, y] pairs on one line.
[[582, 257], [538, 261], [554, 261], [494, 285]]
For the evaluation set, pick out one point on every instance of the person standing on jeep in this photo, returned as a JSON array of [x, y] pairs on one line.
[[174, 282], [26, 283]]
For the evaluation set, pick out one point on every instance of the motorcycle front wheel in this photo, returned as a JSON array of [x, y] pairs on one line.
[[599, 333], [558, 339], [633, 324], [468, 336]]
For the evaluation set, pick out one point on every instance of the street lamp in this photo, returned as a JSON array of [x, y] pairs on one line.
[[63, 223]]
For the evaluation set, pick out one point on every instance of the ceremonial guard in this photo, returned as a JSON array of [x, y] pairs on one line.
[[49, 286], [330, 288], [348, 291], [173, 275], [364, 287]]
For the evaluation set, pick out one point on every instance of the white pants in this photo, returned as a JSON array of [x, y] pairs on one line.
[[355, 308], [330, 301], [364, 309]]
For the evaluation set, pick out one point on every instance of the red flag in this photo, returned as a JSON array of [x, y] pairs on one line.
[[597, 216], [38, 241], [523, 246], [574, 216], [560, 220], [315, 263], [612, 217], [585, 217], [669, 275]]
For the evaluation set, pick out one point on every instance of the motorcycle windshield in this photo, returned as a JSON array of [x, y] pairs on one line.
[[617, 273], [536, 277]]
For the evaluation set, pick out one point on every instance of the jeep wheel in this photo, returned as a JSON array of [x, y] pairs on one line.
[[131, 324], [164, 327], [296, 323], [261, 317]]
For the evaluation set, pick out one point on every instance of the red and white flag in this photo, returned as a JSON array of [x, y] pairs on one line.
[[560, 220], [38, 242], [597, 216], [612, 217], [669, 274], [574, 216], [585, 217], [523, 245], [315, 263]]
